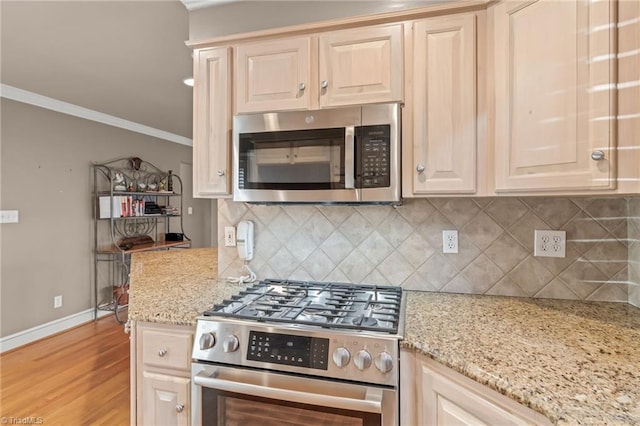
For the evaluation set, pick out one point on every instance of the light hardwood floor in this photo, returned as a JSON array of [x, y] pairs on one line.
[[79, 377]]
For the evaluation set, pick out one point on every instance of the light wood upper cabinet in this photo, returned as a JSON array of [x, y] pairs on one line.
[[273, 75], [440, 142], [212, 123], [347, 67], [361, 66], [554, 76]]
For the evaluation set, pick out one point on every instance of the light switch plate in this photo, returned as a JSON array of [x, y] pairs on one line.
[[8, 216], [550, 243]]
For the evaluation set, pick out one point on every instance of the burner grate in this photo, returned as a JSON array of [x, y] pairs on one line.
[[327, 305]]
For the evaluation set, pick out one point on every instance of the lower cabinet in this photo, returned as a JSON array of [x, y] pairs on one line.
[[432, 394], [161, 374]]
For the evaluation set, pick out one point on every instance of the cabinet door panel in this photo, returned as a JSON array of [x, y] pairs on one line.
[[444, 104], [273, 75], [166, 400], [212, 123], [554, 102], [166, 349], [361, 66], [446, 403]]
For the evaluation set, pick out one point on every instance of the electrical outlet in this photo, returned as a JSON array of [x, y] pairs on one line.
[[450, 241], [8, 216], [229, 236], [550, 243], [57, 302]]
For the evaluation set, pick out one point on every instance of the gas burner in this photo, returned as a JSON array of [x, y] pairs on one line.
[[364, 321], [326, 305]]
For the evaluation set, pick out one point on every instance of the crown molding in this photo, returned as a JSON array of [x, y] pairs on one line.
[[31, 98]]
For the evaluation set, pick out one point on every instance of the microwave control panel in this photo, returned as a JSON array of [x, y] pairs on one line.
[[373, 150]]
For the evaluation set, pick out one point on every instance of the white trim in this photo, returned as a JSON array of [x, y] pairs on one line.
[[44, 330], [24, 96]]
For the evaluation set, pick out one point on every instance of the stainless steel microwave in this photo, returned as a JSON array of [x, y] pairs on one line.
[[340, 155]]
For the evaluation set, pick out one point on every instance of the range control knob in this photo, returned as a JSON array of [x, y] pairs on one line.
[[230, 343], [341, 357], [362, 359], [383, 362], [207, 341]]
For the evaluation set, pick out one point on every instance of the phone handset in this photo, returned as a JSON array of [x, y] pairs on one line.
[[245, 240]]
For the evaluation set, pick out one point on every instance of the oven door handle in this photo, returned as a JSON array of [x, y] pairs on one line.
[[371, 403]]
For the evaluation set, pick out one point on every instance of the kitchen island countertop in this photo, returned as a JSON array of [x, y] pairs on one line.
[[575, 362]]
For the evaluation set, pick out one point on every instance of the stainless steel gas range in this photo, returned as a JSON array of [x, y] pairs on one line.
[[288, 352]]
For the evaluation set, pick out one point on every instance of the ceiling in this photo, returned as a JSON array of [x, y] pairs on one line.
[[122, 58]]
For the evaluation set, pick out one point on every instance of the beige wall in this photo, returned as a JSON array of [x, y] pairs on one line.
[[45, 175]]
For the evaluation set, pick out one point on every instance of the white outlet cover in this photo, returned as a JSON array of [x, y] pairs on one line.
[[229, 236], [550, 243], [450, 241]]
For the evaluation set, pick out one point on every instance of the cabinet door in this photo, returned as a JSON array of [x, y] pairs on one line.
[[361, 66], [444, 402], [444, 106], [273, 75], [166, 400], [212, 123], [555, 95]]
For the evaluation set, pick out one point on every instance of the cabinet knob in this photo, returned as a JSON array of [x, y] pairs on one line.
[[301, 87], [420, 168], [162, 352], [324, 84], [179, 408], [597, 155], [220, 172]]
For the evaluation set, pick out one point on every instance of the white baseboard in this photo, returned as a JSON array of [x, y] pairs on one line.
[[44, 330]]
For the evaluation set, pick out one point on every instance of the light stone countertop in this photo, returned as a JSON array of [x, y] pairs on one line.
[[574, 362], [175, 286]]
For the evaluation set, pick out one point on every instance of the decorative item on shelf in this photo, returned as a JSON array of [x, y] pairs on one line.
[[152, 186], [173, 236], [121, 294], [135, 163], [119, 183], [171, 211], [142, 186], [170, 181], [128, 243]]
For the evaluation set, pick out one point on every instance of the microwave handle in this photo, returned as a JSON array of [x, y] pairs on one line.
[[370, 403], [349, 152]]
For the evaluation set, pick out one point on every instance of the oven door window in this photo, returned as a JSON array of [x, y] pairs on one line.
[[226, 408], [286, 160]]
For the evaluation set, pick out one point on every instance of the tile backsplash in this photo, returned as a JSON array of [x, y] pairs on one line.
[[403, 245], [634, 251]]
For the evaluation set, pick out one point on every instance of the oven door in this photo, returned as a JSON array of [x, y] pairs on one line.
[[223, 395]]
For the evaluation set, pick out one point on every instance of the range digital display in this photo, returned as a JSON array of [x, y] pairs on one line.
[[300, 351]]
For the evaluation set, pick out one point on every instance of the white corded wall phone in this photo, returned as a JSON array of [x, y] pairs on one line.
[[244, 240], [245, 246]]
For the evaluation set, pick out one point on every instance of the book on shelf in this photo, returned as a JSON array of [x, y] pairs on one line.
[[120, 206]]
